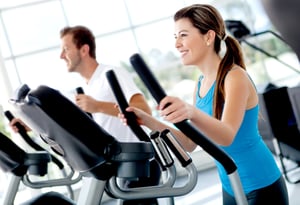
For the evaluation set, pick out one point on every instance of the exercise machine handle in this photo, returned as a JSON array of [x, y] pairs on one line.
[[122, 102], [22, 131], [79, 90]]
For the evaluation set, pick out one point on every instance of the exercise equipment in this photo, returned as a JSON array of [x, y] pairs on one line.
[[280, 116], [242, 33], [141, 134], [285, 15], [23, 133], [102, 160], [94, 153], [23, 165]]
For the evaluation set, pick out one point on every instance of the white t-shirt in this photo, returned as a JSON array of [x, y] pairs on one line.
[[99, 88]]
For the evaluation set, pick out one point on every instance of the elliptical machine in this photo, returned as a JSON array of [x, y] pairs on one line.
[[101, 159]]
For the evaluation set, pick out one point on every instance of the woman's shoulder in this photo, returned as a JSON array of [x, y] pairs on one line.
[[240, 79], [237, 69], [236, 72]]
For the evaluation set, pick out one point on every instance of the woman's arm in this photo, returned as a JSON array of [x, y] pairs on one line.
[[152, 123], [237, 91]]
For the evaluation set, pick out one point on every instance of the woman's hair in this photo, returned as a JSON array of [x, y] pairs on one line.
[[81, 36], [205, 17]]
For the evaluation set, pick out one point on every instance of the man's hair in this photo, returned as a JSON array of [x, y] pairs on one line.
[[81, 35]]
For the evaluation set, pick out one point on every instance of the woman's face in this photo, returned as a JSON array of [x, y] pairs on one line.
[[191, 44]]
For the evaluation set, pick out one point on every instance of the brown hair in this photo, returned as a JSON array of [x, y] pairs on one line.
[[205, 17], [81, 36]]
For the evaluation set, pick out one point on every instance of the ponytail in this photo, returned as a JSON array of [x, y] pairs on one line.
[[232, 56]]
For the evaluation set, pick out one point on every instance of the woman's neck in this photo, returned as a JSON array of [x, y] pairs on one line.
[[210, 68]]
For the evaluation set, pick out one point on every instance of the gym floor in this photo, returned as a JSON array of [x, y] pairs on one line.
[[208, 191]]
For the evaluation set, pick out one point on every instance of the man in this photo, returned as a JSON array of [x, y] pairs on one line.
[[79, 52]]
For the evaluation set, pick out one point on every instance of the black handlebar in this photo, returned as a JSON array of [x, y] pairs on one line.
[[158, 93], [122, 102], [22, 131], [79, 90]]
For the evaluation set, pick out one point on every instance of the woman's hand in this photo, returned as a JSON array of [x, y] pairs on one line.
[[143, 118], [175, 110]]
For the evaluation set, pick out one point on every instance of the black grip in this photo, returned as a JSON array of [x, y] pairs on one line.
[[79, 90], [8, 115], [122, 102], [22, 131], [147, 76], [194, 134]]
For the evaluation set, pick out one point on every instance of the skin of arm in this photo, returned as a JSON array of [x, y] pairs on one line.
[[89, 104], [152, 123]]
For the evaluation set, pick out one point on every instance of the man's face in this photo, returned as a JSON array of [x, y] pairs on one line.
[[70, 53]]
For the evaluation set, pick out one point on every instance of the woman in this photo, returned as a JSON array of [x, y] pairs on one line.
[[225, 107]]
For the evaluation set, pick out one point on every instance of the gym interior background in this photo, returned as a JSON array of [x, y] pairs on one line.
[[29, 46]]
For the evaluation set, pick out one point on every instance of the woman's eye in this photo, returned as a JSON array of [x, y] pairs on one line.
[[183, 34]]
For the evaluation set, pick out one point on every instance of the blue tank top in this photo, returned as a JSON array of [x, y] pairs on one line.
[[255, 163]]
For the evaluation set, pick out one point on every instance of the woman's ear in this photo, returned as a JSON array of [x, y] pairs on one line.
[[210, 37]]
